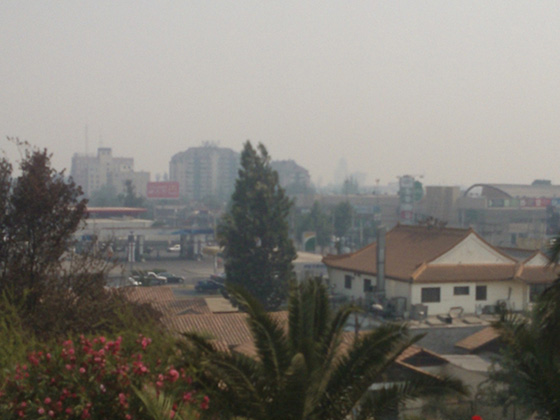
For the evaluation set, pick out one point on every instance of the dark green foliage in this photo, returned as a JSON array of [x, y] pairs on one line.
[[55, 291], [129, 197], [254, 232], [42, 210], [106, 196], [317, 221], [530, 364], [312, 369], [343, 214]]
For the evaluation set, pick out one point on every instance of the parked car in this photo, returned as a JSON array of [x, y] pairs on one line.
[[154, 278], [131, 281], [174, 248], [172, 278], [219, 278], [208, 286]]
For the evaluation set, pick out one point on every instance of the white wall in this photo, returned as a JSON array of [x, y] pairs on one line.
[[472, 251], [336, 278], [398, 289], [495, 291]]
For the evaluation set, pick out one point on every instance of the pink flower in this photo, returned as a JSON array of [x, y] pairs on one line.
[[41, 411], [145, 342], [68, 367], [47, 400], [82, 370], [173, 375]]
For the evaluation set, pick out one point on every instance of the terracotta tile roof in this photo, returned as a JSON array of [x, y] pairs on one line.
[[537, 275], [407, 248], [163, 299], [417, 350], [230, 328], [478, 339], [465, 273]]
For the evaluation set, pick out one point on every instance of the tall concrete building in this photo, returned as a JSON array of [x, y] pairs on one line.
[[290, 173], [205, 171], [93, 172]]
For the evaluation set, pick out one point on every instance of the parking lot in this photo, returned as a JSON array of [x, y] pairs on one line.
[[191, 271]]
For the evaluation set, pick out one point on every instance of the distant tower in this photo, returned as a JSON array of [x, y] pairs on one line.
[[341, 172]]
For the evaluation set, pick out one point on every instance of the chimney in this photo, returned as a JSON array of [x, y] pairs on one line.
[[381, 260]]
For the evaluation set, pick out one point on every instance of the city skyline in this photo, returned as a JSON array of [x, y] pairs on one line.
[[457, 92]]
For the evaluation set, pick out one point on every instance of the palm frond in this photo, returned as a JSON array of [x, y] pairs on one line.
[[389, 400], [268, 335], [291, 402], [369, 356]]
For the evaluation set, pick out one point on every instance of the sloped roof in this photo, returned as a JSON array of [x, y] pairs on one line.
[[428, 356], [230, 328], [478, 339], [519, 254], [407, 248], [461, 273], [163, 299], [410, 252], [537, 274]]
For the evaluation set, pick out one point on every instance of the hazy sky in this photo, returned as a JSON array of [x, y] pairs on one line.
[[458, 91]]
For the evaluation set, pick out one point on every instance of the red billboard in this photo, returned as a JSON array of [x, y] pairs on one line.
[[168, 189]]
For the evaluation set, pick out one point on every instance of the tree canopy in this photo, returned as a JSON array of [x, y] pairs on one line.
[[254, 231], [343, 213], [55, 290], [317, 221], [529, 369]]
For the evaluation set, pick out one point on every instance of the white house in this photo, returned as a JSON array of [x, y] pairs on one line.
[[441, 268]]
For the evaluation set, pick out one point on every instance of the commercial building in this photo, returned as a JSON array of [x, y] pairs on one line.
[[93, 172]]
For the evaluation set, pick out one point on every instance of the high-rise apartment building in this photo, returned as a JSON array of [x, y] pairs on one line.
[[205, 171], [93, 172], [290, 173]]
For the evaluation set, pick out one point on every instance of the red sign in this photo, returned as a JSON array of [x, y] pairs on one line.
[[163, 189]]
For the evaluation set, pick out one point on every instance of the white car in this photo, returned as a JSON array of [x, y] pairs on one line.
[[156, 278], [131, 281], [174, 248]]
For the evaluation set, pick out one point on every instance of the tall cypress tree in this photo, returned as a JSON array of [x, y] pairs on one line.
[[254, 232]]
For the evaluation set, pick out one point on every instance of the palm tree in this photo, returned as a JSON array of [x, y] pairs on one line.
[[530, 362], [311, 370]]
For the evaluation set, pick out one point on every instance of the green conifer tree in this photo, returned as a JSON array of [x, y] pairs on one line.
[[254, 232]]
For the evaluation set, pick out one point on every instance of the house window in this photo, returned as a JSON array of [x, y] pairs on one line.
[[431, 294], [481, 292], [367, 286], [461, 290], [347, 282]]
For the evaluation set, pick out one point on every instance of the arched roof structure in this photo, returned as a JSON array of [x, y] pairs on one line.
[[517, 190]]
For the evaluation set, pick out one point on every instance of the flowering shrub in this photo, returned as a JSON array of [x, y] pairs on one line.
[[95, 379]]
